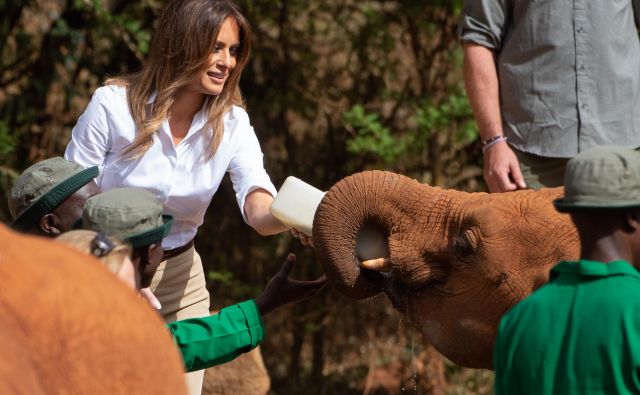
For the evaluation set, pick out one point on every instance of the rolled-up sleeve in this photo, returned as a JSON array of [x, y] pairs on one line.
[[483, 22], [246, 167], [210, 341], [90, 137]]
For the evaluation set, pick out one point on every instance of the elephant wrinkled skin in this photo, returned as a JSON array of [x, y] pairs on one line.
[[457, 261]]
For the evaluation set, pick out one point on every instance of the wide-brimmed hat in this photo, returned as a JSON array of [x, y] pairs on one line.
[[130, 214], [602, 179], [41, 188]]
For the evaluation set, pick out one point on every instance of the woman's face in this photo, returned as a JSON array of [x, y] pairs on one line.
[[222, 60]]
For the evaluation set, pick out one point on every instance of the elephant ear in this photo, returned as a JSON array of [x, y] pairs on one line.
[[354, 206]]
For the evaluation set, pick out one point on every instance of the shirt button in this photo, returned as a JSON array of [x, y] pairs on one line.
[[581, 67], [579, 30], [584, 106]]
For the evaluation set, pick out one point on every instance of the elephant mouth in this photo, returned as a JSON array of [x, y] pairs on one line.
[[372, 247], [375, 264], [379, 267], [397, 293]]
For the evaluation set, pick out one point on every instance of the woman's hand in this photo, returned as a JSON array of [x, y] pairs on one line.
[[259, 217], [304, 239], [282, 290]]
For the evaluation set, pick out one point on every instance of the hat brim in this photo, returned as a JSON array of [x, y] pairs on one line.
[[54, 198], [564, 206], [152, 236]]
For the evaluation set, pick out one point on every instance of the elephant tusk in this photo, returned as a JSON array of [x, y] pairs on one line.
[[378, 265]]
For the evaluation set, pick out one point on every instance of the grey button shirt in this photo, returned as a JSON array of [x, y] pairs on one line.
[[569, 70]]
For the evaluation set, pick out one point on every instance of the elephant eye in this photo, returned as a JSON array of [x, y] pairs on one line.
[[465, 244]]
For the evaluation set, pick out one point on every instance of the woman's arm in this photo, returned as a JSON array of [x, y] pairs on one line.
[[90, 137], [259, 217], [253, 186]]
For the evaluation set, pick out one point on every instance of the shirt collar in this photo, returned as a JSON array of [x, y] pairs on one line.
[[587, 268]]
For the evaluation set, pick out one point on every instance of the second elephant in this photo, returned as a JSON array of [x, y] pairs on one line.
[[452, 262]]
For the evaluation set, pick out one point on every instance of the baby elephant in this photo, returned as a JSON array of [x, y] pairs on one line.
[[74, 328], [452, 262]]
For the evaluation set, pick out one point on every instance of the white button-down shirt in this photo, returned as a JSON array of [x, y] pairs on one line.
[[178, 175]]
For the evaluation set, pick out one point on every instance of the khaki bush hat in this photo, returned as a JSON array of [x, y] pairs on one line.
[[41, 188], [130, 214], [602, 179]]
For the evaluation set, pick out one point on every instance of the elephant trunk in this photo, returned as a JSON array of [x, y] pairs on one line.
[[375, 220]]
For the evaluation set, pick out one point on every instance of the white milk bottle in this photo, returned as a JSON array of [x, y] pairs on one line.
[[296, 203]]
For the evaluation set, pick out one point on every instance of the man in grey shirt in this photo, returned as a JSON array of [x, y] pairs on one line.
[[548, 79]]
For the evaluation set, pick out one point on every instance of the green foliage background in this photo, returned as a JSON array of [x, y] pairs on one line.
[[333, 87]]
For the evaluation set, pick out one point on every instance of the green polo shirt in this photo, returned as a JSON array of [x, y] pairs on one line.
[[213, 340], [579, 334]]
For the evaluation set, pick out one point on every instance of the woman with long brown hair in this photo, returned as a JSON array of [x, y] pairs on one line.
[[175, 128]]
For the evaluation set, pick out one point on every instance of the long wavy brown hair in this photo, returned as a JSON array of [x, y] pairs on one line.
[[179, 54]]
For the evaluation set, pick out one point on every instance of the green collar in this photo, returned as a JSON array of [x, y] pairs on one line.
[[588, 268]]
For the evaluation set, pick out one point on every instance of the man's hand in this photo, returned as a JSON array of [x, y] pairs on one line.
[[501, 169], [146, 294], [282, 290]]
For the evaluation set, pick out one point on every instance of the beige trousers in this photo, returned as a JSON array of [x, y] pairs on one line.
[[179, 285]]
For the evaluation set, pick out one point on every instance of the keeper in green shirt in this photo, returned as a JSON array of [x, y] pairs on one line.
[[580, 334], [135, 216], [213, 340]]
